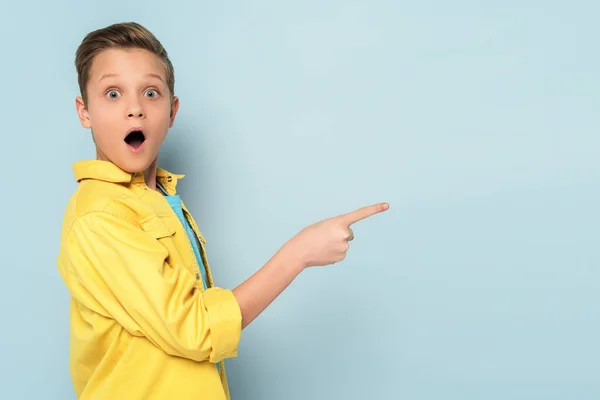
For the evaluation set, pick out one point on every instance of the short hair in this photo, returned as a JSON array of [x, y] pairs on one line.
[[126, 35]]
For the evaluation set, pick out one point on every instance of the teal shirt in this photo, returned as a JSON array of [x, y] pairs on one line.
[[175, 203]]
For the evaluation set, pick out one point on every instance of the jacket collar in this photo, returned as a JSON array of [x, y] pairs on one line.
[[109, 172]]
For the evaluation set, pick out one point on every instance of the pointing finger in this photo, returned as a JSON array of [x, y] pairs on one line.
[[363, 213]]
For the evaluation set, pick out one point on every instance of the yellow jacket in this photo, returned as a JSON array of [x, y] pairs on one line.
[[142, 325]]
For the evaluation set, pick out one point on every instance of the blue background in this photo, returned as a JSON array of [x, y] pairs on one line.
[[477, 121]]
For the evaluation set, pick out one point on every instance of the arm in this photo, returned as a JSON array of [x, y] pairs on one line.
[[256, 293], [323, 243], [116, 269]]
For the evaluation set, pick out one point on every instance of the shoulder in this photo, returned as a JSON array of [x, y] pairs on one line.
[[94, 197]]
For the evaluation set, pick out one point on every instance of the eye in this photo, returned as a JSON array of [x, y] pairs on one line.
[[151, 93], [113, 94]]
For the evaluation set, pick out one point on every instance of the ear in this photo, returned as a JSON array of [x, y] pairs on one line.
[[82, 111], [174, 109]]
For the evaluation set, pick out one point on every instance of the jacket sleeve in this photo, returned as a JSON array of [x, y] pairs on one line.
[[124, 272]]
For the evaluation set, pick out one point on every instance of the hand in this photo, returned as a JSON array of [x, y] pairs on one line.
[[327, 241]]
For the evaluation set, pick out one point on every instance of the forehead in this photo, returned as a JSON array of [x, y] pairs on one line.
[[127, 63]]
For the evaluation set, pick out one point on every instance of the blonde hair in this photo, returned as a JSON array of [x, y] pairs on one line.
[[127, 35]]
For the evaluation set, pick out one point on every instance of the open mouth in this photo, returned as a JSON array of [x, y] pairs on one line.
[[135, 139]]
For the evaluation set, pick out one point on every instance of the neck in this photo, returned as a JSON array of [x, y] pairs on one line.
[[150, 174]]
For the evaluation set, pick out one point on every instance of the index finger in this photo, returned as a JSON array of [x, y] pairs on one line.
[[364, 212]]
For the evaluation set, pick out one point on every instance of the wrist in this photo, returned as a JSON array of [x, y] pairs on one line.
[[289, 258]]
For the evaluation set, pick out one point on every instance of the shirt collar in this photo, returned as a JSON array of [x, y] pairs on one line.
[[109, 172]]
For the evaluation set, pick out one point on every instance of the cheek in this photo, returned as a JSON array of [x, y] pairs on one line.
[[163, 109], [95, 111], [106, 123], [161, 114], [104, 115]]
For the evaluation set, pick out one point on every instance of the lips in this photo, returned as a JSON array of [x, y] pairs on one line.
[[135, 138]]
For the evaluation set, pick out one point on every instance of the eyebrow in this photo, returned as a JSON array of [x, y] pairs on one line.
[[150, 75]]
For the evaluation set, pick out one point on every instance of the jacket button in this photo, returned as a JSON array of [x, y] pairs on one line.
[[169, 178], [197, 277]]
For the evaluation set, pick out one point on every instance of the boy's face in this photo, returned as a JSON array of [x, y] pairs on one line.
[[127, 92]]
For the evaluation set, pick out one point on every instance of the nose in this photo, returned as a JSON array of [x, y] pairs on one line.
[[135, 110]]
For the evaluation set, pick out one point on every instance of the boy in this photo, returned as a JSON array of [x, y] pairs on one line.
[[147, 321]]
